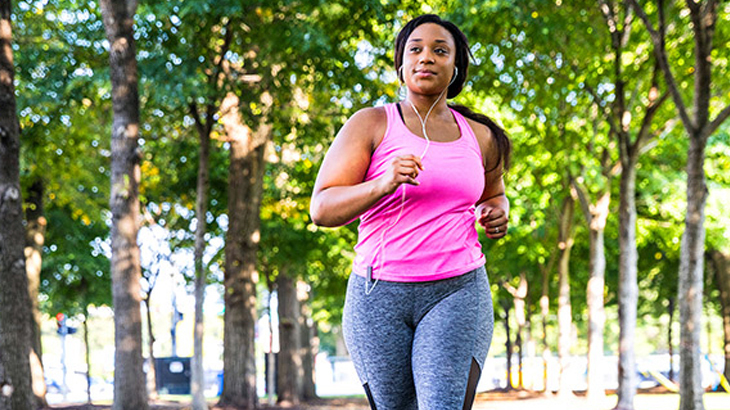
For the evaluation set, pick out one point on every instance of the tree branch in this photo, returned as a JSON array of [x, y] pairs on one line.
[[196, 116], [611, 22], [634, 94], [693, 6], [131, 8], [710, 6], [628, 20], [227, 39], [211, 108], [647, 120], [657, 38], [715, 124], [579, 191], [616, 169], [660, 133], [609, 114]]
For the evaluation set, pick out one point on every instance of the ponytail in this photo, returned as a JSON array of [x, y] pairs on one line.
[[504, 146]]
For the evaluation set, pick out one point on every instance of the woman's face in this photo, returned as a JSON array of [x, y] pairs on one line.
[[429, 59]]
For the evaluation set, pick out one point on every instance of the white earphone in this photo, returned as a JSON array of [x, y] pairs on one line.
[[423, 121]]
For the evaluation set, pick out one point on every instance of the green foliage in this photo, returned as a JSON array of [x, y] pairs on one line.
[[542, 69], [63, 99], [75, 265]]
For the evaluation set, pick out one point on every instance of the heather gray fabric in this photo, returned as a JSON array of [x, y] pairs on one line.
[[413, 344]]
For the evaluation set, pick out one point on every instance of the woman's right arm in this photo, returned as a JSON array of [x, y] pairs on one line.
[[340, 193]]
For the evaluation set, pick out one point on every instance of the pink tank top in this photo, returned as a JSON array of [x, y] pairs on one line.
[[435, 237]]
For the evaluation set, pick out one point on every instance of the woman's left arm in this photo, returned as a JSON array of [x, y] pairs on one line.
[[492, 208]]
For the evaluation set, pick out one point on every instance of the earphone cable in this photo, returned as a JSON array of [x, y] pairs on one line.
[[381, 247]]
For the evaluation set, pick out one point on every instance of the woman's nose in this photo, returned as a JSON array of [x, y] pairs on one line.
[[426, 56]]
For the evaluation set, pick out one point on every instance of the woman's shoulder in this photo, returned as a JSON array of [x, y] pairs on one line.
[[484, 135], [487, 142], [367, 124], [369, 116]]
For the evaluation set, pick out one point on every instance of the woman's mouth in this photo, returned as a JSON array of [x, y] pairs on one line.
[[424, 73]]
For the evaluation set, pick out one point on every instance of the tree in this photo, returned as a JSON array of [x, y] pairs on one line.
[[290, 371], [718, 236], [129, 380], [245, 186], [204, 126], [519, 294], [152, 258], [593, 161], [34, 240], [504, 303], [15, 305], [201, 211], [60, 155], [699, 126], [186, 45], [298, 48], [565, 317], [629, 151], [595, 213], [721, 267], [309, 346], [532, 73], [73, 276]]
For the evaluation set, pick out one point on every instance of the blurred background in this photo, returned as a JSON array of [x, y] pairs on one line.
[[253, 92]]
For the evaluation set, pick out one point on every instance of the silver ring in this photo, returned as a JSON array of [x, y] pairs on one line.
[[496, 230]]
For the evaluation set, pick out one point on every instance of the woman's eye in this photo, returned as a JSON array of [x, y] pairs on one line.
[[441, 51], [415, 49]]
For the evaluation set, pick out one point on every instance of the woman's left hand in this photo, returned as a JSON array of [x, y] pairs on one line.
[[493, 219]]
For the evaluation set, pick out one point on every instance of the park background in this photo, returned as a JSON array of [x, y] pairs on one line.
[[610, 106]]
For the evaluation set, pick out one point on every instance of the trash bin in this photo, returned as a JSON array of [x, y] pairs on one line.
[[219, 377], [173, 375]]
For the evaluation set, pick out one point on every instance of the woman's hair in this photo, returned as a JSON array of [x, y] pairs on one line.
[[462, 64]]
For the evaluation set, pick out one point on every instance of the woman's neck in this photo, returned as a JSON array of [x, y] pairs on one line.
[[423, 103]]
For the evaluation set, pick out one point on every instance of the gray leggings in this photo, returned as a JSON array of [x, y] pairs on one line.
[[419, 345]]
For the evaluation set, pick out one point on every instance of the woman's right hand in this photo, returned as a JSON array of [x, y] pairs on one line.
[[402, 170]]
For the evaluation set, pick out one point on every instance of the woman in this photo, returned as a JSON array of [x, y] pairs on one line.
[[418, 314]]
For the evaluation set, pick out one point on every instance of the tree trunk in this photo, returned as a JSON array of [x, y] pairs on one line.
[[129, 380], [703, 16], [35, 236], [87, 354], [245, 187], [518, 297], [520, 368], [197, 382], [691, 259], [596, 316], [529, 346], [151, 370], [565, 316], [721, 265], [544, 313], [670, 339], [690, 280], [270, 366], [309, 343], [16, 391], [628, 290], [508, 343], [595, 215], [290, 371]]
